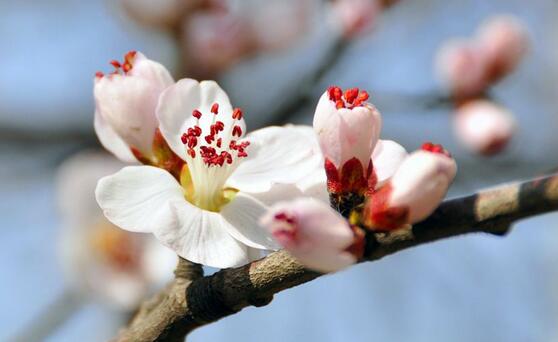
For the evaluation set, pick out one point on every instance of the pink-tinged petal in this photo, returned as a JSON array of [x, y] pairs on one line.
[[461, 67], [312, 232], [241, 216], [137, 198], [111, 140], [275, 155], [420, 183], [202, 237], [127, 101], [386, 159], [344, 133], [503, 40], [484, 127]]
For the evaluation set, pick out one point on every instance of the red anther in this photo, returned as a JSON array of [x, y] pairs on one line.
[[209, 138], [237, 131], [363, 96], [197, 131], [99, 74], [242, 154], [437, 149], [335, 93], [215, 108], [192, 153], [219, 126], [129, 57], [219, 141], [184, 138], [232, 145], [126, 67], [245, 144], [115, 64], [237, 114], [197, 114], [427, 146], [339, 104], [192, 142], [351, 95]]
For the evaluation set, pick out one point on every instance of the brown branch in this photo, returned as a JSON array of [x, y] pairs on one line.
[[186, 305]]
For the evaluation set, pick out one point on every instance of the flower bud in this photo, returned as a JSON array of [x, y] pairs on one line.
[[126, 101], [460, 66], [314, 233], [414, 191], [484, 127], [354, 16], [164, 13], [348, 129], [503, 41]]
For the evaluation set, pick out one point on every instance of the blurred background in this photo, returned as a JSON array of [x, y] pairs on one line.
[[275, 58]]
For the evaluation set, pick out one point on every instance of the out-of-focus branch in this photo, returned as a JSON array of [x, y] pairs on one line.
[[186, 305], [51, 318]]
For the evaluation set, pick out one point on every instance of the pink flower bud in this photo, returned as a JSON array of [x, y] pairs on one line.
[[348, 129], [126, 101], [414, 191], [484, 127], [503, 41], [355, 16], [165, 13], [462, 69], [315, 234]]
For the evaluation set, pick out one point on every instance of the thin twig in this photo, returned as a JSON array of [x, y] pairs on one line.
[[186, 306]]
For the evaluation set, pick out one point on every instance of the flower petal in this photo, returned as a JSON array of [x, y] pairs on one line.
[[242, 215], [312, 232], [386, 158], [175, 112], [111, 140], [201, 236], [276, 155], [137, 198], [179, 101]]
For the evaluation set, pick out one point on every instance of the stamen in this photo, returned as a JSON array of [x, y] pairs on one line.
[[351, 98], [215, 108], [99, 74], [237, 131], [116, 64], [237, 114], [214, 153], [435, 148]]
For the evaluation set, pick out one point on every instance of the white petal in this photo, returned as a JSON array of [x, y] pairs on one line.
[[111, 140], [137, 198], [201, 236], [177, 103], [242, 215], [387, 157], [276, 155], [174, 112], [211, 93]]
